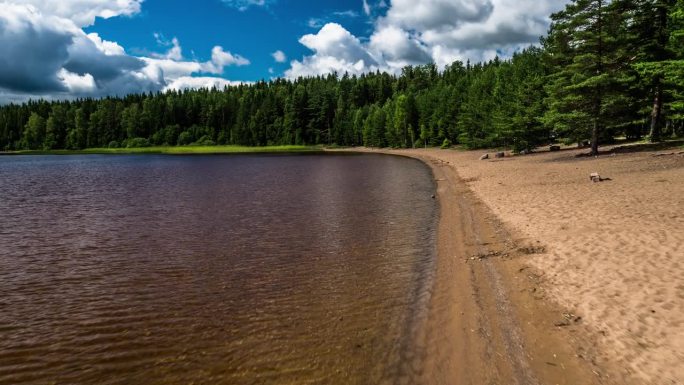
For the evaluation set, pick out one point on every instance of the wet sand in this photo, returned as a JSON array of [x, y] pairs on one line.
[[545, 277]]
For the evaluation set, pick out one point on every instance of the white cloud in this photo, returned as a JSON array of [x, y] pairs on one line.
[[221, 58], [175, 51], [398, 47], [421, 31], [424, 15], [109, 48], [173, 69], [50, 56], [335, 50], [78, 84], [189, 82], [471, 29], [84, 12], [279, 56]]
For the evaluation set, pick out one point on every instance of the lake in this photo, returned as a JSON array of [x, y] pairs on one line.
[[240, 269]]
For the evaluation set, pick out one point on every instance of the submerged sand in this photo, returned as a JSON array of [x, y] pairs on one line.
[[565, 280]]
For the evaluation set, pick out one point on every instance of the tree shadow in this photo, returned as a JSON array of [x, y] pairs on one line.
[[643, 147]]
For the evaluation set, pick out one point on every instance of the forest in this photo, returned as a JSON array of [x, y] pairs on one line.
[[606, 70]]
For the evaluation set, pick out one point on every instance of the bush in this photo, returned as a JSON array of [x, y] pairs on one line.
[[184, 138], [113, 144], [137, 142], [446, 144], [204, 141]]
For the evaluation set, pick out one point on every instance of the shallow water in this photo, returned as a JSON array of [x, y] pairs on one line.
[[308, 269]]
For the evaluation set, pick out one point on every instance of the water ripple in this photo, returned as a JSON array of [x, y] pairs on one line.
[[223, 269]]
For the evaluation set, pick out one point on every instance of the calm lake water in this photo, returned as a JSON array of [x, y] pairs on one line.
[[293, 269]]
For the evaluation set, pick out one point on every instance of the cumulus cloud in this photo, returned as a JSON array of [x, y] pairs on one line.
[[440, 31], [175, 51], [279, 56], [34, 49], [84, 12], [189, 82], [398, 47], [335, 50], [48, 55], [221, 58], [437, 14]]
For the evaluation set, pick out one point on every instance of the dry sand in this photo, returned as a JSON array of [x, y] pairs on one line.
[[565, 280]]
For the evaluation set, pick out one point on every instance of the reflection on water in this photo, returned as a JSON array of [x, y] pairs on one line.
[[213, 269]]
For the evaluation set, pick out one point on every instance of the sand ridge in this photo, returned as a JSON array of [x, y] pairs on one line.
[[611, 254]]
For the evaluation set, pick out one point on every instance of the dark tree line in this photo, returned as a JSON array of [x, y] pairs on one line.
[[606, 69]]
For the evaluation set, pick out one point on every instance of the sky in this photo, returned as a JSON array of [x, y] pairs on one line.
[[65, 49]]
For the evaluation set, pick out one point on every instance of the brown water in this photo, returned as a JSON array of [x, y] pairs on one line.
[[213, 269]]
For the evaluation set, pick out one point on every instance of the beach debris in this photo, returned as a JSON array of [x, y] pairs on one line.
[[500, 154], [595, 177], [484, 157], [554, 148], [490, 254], [529, 250], [568, 319]]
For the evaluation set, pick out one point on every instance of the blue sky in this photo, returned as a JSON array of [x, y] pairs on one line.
[[254, 33], [65, 49]]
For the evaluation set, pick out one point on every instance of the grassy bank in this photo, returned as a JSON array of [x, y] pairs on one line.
[[174, 150]]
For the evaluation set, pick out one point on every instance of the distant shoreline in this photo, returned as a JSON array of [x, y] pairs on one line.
[[174, 150]]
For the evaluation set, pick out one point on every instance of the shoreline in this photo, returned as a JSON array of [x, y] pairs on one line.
[[587, 275], [174, 150], [486, 321]]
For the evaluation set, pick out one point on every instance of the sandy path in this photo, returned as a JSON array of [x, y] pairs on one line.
[[609, 255]]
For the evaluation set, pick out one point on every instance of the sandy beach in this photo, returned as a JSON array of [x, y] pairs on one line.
[[546, 277]]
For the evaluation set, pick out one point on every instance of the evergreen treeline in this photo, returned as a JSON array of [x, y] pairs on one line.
[[606, 69]]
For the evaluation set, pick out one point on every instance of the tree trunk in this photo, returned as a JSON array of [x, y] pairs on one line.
[[655, 133], [594, 138]]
